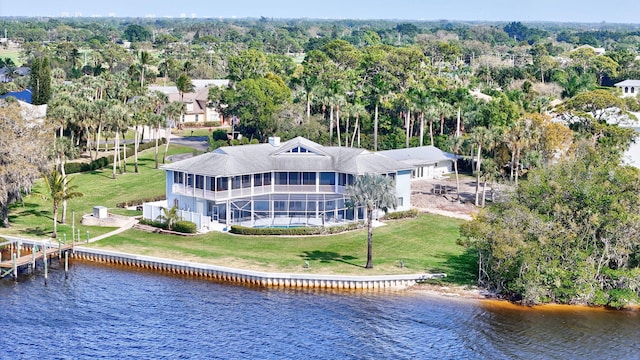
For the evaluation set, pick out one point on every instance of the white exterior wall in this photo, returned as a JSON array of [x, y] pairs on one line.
[[403, 189], [629, 91]]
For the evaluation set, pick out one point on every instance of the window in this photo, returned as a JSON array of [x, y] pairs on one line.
[[236, 182], [342, 179], [294, 178], [257, 180], [246, 181], [189, 179], [308, 178], [400, 201], [281, 178], [327, 178], [211, 184], [199, 181], [633, 89], [222, 184], [178, 177], [266, 179]]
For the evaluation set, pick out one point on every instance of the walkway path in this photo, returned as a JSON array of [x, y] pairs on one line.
[[123, 228]]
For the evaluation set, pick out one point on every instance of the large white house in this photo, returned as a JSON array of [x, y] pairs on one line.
[[293, 183]]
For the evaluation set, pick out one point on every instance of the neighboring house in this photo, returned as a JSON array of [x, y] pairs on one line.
[[197, 102], [294, 183], [629, 87], [7, 74], [427, 162]]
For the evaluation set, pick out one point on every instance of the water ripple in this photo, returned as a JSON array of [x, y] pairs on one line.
[[106, 313]]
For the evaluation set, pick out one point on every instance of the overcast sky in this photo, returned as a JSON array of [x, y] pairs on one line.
[[611, 11]]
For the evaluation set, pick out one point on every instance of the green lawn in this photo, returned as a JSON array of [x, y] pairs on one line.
[[11, 53], [425, 244], [33, 217]]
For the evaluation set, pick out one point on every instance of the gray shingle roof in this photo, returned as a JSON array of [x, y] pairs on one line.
[[628, 83], [422, 155], [255, 158]]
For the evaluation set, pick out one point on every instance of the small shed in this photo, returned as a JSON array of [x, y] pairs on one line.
[[100, 212]]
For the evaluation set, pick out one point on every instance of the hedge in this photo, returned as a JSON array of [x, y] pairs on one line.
[[135, 202], [412, 213], [243, 230], [102, 162], [184, 226]]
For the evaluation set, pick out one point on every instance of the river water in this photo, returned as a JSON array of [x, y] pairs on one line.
[[107, 312]]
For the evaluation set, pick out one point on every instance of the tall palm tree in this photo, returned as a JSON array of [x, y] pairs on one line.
[[455, 144], [173, 111], [481, 137], [100, 108], [372, 191], [145, 59], [59, 190], [155, 121], [64, 150], [119, 118]]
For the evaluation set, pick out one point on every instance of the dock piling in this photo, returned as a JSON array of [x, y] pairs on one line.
[[66, 264], [15, 267], [44, 261]]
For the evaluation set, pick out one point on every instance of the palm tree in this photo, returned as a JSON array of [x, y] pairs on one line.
[[372, 191], [169, 216], [184, 85], [64, 150], [455, 144], [119, 117], [144, 58], [173, 111], [155, 121], [480, 136], [59, 189]]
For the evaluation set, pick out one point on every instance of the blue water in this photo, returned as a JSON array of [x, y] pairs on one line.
[[107, 313]]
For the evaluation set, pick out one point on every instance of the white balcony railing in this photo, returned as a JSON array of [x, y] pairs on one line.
[[181, 189]]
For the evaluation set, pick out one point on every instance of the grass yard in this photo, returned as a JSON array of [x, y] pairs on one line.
[[34, 217], [13, 54], [425, 244]]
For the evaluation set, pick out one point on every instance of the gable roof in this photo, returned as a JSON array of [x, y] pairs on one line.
[[422, 155], [628, 83], [256, 158]]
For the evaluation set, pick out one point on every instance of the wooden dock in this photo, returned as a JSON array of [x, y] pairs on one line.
[[25, 254]]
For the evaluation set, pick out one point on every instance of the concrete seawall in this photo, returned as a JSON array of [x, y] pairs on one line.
[[249, 277]]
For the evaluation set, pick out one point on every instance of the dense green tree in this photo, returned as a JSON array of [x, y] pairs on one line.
[[567, 235], [136, 32], [23, 157], [254, 103], [40, 81]]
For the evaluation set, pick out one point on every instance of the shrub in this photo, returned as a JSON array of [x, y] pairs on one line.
[[154, 223], [296, 231], [412, 213], [184, 226], [141, 201]]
